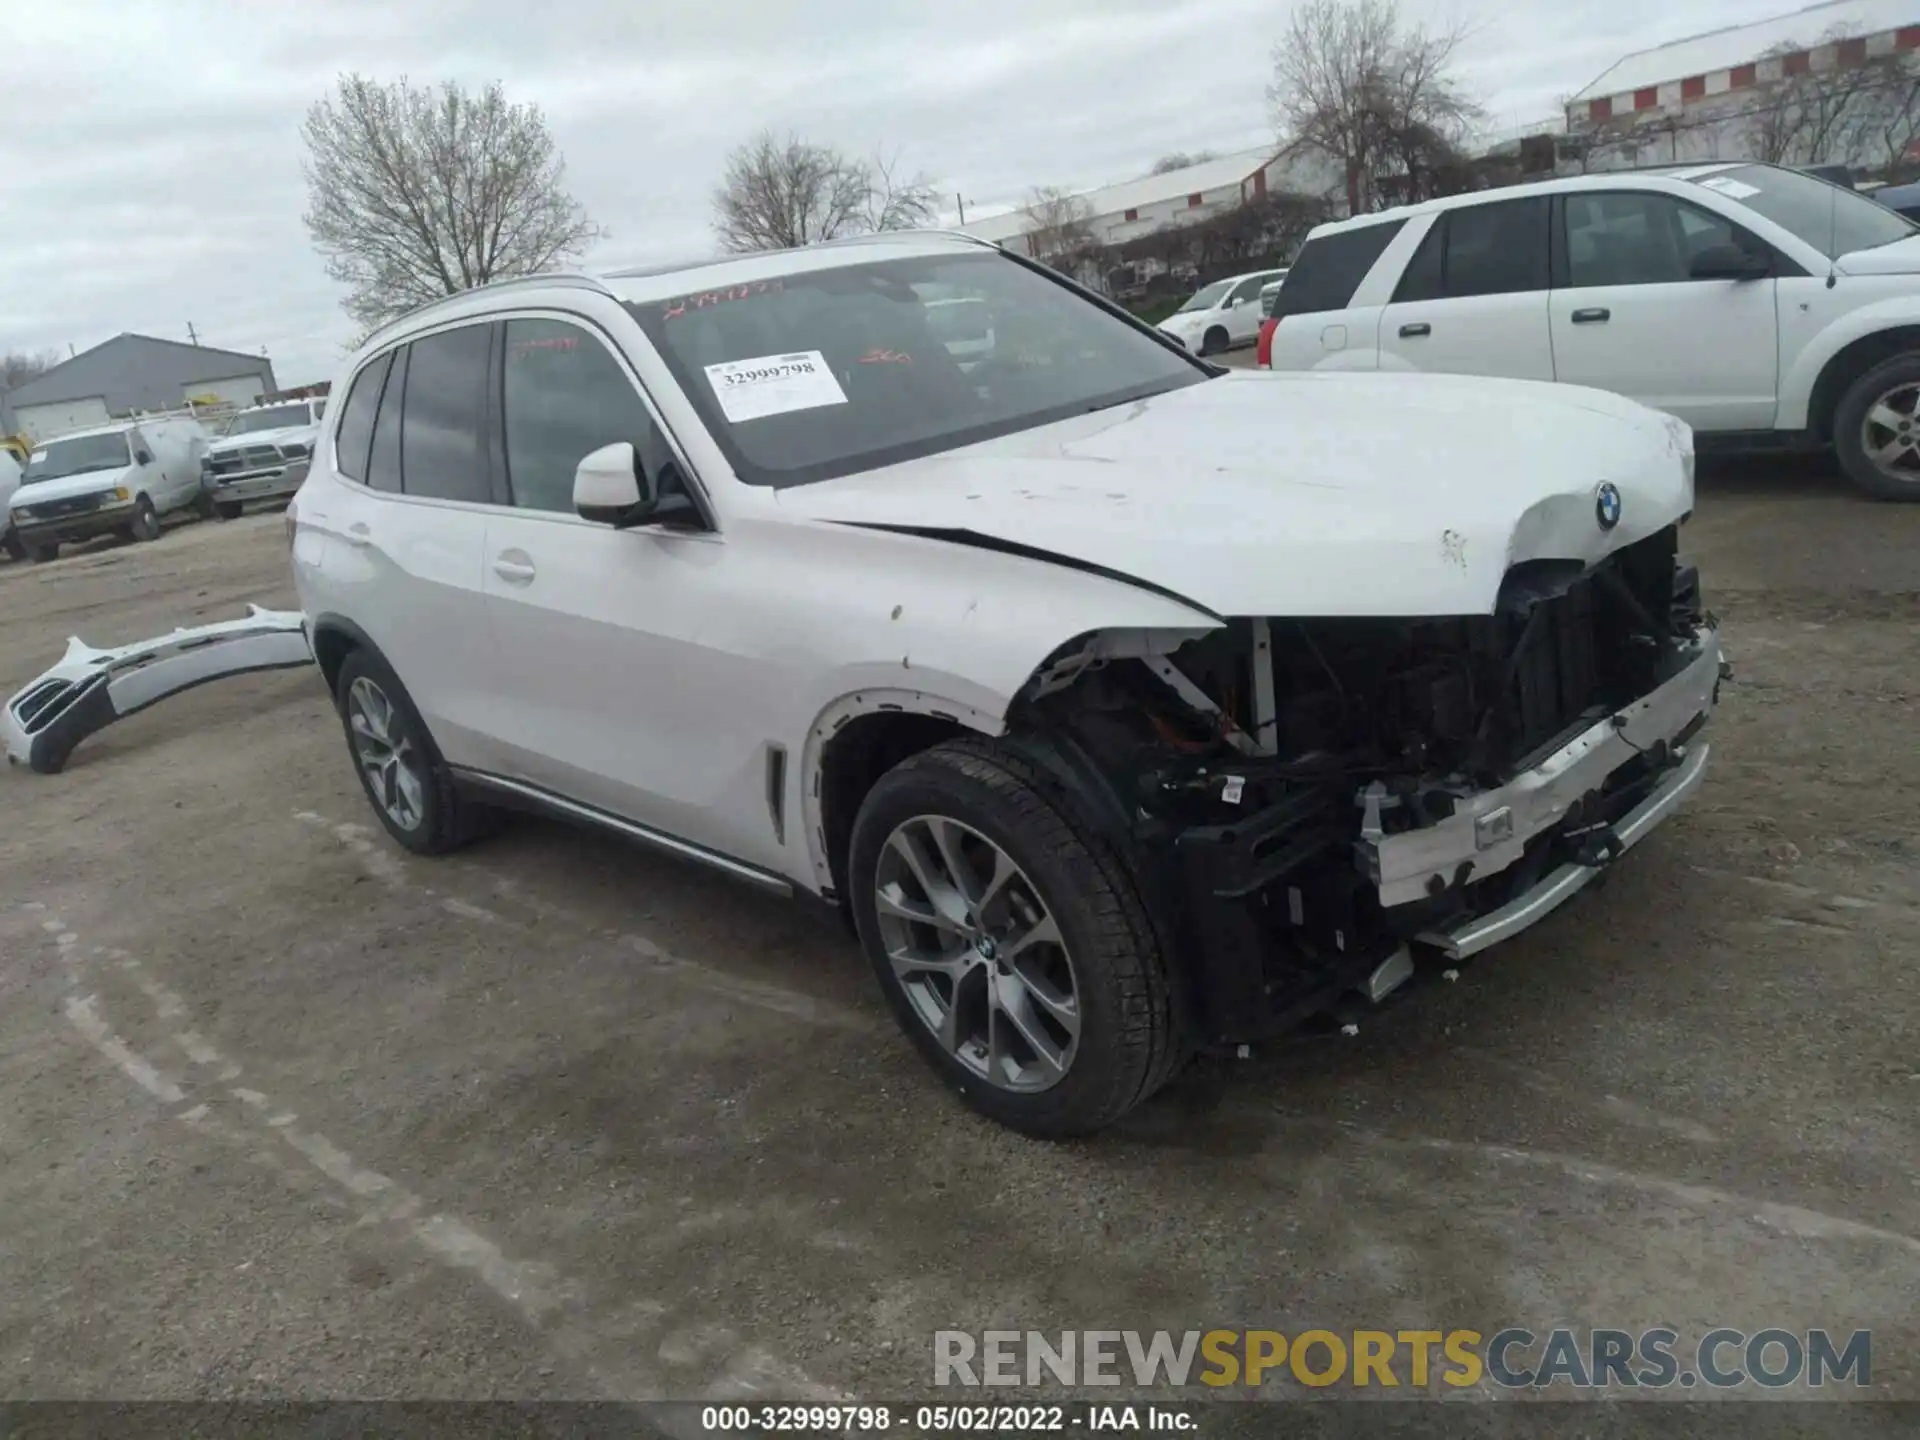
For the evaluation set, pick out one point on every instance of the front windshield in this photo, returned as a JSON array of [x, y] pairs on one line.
[[831, 372], [1834, 221], [81, 454], [279, 417], [1208, 298]]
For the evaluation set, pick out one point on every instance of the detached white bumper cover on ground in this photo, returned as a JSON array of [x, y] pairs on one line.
[[90, 689]]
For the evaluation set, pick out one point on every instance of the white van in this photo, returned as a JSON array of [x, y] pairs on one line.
[[118, 478]]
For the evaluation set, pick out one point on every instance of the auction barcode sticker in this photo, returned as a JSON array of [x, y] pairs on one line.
[[774, 385]]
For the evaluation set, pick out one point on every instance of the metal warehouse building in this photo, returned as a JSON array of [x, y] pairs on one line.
[[129, 373]]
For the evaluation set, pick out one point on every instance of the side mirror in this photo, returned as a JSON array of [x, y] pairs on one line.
[[1233, 303], [141, 457], [608, 487], [1729, 262]]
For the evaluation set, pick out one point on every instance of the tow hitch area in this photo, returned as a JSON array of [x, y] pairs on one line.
[[90, 689]]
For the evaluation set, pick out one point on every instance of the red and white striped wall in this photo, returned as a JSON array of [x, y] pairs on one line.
[[1675, 94]]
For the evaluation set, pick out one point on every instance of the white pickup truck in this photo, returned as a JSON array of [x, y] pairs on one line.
[[1762, 306]]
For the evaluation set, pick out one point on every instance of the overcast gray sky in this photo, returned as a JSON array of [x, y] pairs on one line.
[[150, 149]]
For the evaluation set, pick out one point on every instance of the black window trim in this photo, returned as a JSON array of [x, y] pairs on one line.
[[1785, 267], [497, 420]]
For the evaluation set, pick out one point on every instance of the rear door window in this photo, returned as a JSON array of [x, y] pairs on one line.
[[443, 453], [1329, 269], [1498, 249]]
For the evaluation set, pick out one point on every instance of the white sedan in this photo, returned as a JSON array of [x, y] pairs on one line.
[[1221, 315]]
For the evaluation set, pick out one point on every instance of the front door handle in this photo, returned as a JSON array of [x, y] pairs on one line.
[[514, 568], [1418, 328], [358, 534], [1598, 315]]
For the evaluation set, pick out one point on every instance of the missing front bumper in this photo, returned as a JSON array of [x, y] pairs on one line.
[[1492, 830], [90, 689], [1469, 937]]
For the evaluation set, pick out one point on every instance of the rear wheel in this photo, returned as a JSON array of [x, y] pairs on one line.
[[406, 781], [1876, 430], [1014, 951], [145, 524], [227, 509]]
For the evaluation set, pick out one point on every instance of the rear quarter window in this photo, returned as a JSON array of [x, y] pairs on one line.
[[1330, 268]]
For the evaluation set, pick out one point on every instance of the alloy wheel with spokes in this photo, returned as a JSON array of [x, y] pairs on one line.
[[388, 758], [978, 953], [1890, 433]]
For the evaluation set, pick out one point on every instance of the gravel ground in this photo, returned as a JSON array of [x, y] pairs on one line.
[[292, 1114]]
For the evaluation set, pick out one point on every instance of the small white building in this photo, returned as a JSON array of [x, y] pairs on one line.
[[1178, 197]]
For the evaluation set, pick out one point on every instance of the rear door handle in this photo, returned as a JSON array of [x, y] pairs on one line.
[[1598, 315], [513, 569], [358, 534], [1418, 328]]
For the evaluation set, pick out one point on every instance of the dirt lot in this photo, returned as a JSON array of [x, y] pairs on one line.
[[290, 1113]]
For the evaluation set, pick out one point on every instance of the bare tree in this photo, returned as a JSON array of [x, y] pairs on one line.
[[1891, 123], [1818, 117], [1180, 160], [778, 194], [416, 192], [1059, 226], [17, 367], [1369, 93]]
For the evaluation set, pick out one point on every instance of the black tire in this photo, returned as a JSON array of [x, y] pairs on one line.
[[227, 509], [146, 520], [447, 820], [1214, 341], [203, 505], [1129, 1045], [1850, 420], [11, 544], [40, 552]]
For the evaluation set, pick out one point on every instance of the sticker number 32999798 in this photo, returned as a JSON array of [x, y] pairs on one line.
[[774, 385]]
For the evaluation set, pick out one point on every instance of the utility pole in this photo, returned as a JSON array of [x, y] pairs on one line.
[[190, 335], [961, 202]]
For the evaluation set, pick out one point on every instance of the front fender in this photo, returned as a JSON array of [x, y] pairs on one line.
[[1798, 384]]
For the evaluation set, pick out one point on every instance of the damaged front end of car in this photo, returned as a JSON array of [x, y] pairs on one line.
[[1305, 799]]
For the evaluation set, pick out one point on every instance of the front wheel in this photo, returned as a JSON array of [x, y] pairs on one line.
[[227, 509], [11, 544], [146, 520], [1014, 951], [1876, 430], [1214, 341]]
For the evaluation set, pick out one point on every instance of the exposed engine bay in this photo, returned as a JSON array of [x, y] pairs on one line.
[[1305, 797]]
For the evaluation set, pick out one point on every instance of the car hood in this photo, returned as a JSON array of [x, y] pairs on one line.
[[1902, 257], [1301, 494], [68, 486], [285, 435]]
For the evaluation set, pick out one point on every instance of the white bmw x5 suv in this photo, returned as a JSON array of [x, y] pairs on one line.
[[1129, 707]]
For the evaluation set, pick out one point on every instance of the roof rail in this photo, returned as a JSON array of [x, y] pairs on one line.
[[877, 236], [566, 279]]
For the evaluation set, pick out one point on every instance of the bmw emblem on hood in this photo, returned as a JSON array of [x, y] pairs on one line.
[[1606, 506]]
